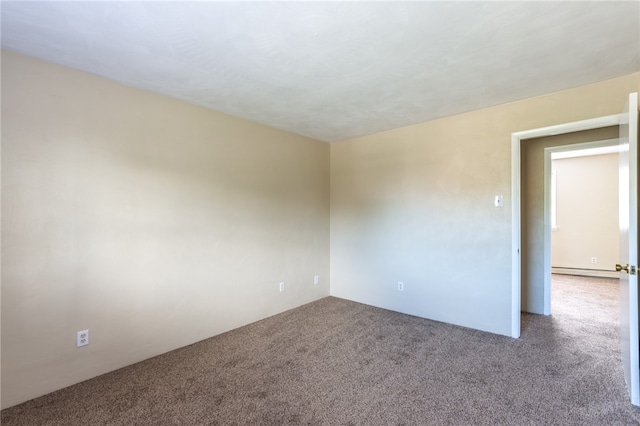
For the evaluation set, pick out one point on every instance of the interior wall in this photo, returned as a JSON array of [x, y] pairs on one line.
[[587, 213], [155, 223], [416, 205], [532, 207], [149, 221]]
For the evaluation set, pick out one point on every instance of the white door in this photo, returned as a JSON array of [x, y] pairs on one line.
[[629, 248]]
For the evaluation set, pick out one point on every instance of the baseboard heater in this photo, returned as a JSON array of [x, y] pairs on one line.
[[599, 273]]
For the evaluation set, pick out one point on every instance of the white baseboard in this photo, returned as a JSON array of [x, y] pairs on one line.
[[598, 273]]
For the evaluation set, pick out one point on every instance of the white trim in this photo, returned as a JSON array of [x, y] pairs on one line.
[[603, 150], [546, 223], [516, 139], [553, 192], [515, 235]]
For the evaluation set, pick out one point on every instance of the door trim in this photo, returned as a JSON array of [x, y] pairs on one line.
[[517, 139]]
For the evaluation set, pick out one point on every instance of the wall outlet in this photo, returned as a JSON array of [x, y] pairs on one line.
[[82, 338], [400, 286], [316, 280], [594, 260], [281, 286]]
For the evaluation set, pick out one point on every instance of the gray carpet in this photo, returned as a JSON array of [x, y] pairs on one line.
[[335, 362]]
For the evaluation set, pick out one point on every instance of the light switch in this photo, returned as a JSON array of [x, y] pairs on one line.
[[499, 201]]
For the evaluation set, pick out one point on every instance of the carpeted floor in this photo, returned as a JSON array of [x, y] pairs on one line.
[[335, 362]]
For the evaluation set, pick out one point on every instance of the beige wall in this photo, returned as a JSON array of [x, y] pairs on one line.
[[587, 213], [532, 207], [151, 222], [415, 205], [155, 223]]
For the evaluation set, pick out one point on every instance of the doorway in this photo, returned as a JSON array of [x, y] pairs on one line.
[[628, 172], [535, 226], [517, 140], [581, 211]]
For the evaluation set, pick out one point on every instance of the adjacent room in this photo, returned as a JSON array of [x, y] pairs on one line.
[[584, 212], [302, 212]]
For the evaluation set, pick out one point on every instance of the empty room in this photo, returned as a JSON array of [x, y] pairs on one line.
[[314, 213]]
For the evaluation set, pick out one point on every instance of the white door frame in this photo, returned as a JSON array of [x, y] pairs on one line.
[[517, 139]]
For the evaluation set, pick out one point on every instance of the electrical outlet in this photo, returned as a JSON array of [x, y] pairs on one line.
[[594, 260], [281, 287], [400, 286], [82, 338], [316, 280]]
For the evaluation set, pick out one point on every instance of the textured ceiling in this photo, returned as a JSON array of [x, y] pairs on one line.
[[335, 70]]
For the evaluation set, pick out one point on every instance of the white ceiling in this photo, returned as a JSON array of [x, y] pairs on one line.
[[335, 70]]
